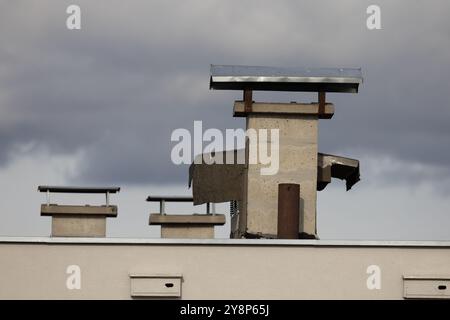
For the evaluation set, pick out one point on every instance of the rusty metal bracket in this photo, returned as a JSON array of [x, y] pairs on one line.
[[248, 100], [321, 103]]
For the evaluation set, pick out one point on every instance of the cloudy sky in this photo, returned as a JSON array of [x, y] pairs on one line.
[[97, 106]]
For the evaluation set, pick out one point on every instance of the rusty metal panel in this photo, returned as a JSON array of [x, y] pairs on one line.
[[288, 211]]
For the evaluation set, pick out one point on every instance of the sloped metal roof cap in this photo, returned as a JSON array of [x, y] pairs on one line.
[[228, 77]]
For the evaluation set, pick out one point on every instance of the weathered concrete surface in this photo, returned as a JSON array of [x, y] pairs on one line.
[[78, 221], [53, 209], [191, 231], [197, 226], [216, 219], [78, 226], [311, 109], [218, 182], [225, 182], [297, 164]]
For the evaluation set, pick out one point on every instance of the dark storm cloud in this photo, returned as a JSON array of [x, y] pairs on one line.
[[137, 71]]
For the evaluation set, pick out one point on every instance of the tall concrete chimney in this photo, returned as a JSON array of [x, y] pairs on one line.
[[297, 125]]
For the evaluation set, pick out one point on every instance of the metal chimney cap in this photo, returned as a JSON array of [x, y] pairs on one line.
[[63, 189], [229, 77]]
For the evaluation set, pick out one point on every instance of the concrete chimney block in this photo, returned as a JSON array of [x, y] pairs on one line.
[[298, 135], [78, 221], [194, 226]]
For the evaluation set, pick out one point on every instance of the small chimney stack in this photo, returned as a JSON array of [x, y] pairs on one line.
[[78, 220], [185, 226]]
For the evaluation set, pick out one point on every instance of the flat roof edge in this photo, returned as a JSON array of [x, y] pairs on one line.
[[222, 242]]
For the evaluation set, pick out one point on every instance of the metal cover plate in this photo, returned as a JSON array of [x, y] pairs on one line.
[[226, 77]]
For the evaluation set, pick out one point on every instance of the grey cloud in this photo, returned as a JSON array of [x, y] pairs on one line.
[[136, 71]]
